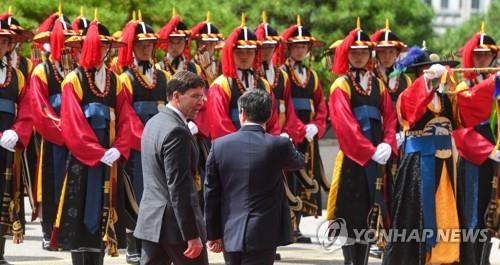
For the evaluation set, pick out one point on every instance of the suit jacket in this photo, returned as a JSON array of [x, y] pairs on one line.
[[169, 208], [245, 201]]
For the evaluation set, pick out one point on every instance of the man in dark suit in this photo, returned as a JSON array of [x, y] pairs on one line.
[[246, 209], [170, 220]]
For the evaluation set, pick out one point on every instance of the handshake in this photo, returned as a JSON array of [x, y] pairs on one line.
[[216, 246]]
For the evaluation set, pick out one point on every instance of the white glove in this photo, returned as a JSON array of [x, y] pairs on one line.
[[495, 156], [110, 156], [435, 71], [382, 154], [284, 134], [193, 128], [9, 140], [400, 137], [311, 131]]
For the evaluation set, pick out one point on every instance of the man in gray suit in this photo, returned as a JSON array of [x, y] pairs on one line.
[[246, 209], [170, 221]]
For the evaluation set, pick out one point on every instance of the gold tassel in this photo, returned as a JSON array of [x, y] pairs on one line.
[[17, 232]]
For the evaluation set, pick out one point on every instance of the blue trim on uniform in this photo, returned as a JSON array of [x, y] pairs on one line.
[[427, 147], [8, 106], [364, 113], [60, 158], [55, 102], [302, 104], [94, 190], [98, 114], [471, 194], [145, 109]]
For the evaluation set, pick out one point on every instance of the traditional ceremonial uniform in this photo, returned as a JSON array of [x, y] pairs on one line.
[[30, 154], [394, 83], [364, 120], [15, 132], [175, 28], [96, 129], [46, 106], [475, 142], [423, 194], [147, 94], [310, 108], [280, 86], [224, 92], [204, 32]]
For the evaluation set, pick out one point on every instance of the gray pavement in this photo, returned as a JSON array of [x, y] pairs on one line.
[[30, 252]]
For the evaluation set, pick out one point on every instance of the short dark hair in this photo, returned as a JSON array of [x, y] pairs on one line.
[[182, 81], [257, 105]]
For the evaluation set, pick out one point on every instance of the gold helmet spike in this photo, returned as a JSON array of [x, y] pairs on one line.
[[299, 22], [243, 20], [139, 15], [59, 8], [95, 14], [358, 23], [481, 30], [174, 12], [209, 16], [134, 17], [10, 9], [387, 24], [264, 17], [81, 11]]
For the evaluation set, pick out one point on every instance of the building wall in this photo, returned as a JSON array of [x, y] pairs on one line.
[[449, 13]]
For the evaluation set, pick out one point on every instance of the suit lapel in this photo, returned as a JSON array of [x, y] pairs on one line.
[[194, 146]]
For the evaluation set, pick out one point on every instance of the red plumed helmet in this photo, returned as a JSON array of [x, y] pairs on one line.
[[91, 50], [57, 40], [279, 54], [125, 55], [228, 65]]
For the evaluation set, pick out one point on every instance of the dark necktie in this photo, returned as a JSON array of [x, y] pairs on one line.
[[176, 61], [145, 65], [358, 72], [300, 67], [265, 65], [245, 76]]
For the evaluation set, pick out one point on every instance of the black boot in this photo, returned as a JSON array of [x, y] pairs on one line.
[[96, 258], [346, 251], [487, 251], [358, 252], [78, 257], [47, 234], [133, 255], [2, 251]]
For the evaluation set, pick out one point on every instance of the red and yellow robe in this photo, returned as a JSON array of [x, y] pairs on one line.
[[222, 108]]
